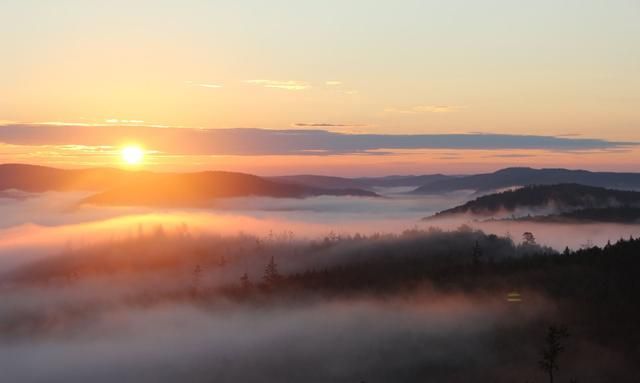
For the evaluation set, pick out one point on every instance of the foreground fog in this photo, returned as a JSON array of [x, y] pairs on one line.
[[337, 341]]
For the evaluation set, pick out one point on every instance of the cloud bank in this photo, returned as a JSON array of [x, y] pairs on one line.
[[191, 141]]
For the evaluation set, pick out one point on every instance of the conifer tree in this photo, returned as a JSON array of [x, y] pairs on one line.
[[271, 273], [552, 349], [476, 255], [245, 282], [528, 239]]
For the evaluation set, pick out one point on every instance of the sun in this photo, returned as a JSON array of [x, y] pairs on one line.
[[132, 154]]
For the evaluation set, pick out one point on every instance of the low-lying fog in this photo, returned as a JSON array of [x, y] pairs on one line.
[[323, 341], [34, 224], [132, 326]]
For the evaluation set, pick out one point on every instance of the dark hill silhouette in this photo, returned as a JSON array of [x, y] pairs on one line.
[[36, 179], [511, 177], [197, 189], [562, 198], [122, 187], [328, 182]]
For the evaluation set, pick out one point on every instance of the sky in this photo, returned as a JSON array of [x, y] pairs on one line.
[[371, 87]]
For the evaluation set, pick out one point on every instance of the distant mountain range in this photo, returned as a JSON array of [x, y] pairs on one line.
[[121, 187], [515, 177], [479, 183], [124, 187], [552, 203]]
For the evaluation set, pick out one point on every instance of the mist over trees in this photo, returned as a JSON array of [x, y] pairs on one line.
[[523, 286], [569, 202]]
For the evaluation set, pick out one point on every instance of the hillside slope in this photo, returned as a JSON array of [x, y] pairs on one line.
[[122, 187], [197, 189], [329, 182], [515, 177], [545, 200]]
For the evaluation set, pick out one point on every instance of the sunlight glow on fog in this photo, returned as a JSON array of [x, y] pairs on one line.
[[49, 222], [103, 327]]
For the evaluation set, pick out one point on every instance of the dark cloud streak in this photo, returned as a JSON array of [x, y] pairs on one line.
[[244, 141]]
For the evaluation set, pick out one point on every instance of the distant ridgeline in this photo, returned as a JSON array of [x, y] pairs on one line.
[[122, 187], [518, 177], [554, 203]]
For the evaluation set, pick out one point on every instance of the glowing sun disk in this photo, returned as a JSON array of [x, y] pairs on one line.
[[132, 155]]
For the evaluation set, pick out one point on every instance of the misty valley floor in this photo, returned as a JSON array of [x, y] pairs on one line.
[[165, 295]]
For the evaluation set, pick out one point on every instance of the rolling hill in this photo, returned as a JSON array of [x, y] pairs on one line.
[[516, 177], [328, 182], [547, 200], [121, 187], [37, 179], [197, 189]]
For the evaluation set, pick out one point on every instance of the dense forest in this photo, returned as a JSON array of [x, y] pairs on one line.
[[594, 290], [583, 301], [550, 200], [626, 215]]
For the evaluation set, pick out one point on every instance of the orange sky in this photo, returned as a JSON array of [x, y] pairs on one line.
[[542, 68]]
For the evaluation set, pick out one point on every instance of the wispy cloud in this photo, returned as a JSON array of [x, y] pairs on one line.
[[209, 85], [422, 109], [204, 85], [189, 141], [338, 86], [510, 155], [324, 125], [118, 121], [278, 84]]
